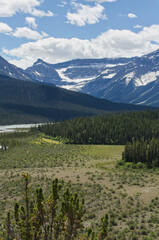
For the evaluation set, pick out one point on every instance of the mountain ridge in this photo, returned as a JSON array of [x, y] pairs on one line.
[[29, 102], [129, 80], [116, 79], [11, 70]]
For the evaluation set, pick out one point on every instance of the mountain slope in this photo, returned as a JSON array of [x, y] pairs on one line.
[[130, 80], [73, 74], [24, 101], [137, 82], [11, 70], [44, 72]]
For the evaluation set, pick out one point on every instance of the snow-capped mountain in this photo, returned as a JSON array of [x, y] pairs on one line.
[[13, 71], [44, 72], [75, 74], [130, 80], [137, 82]]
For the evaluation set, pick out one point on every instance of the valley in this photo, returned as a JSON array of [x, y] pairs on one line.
[[129, 196], [83, 147], [79, 120]]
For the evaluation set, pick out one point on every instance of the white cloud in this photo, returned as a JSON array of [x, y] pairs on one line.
[[151, 33], [44, 34], [8, 8], [28, 33], [138, 26], [132, 15], [86, 14], [40, 13], [112, 44], [62, 4], [31, 22], [5, 28]]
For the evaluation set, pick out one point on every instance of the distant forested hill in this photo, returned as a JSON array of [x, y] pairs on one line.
[[25, 102]]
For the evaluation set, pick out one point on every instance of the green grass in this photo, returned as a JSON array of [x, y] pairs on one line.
[[129, 196]]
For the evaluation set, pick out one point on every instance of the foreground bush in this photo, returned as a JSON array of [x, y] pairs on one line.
[[60, 217]]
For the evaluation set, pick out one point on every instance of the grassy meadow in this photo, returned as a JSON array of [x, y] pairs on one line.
[[129, 196]]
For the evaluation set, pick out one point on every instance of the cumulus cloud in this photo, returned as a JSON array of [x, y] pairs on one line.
[[132, 15], [40, 13], [111, 44], [86, 14], [28, 33], [151, 33], [8, 8], [31, 22], [5, 28]]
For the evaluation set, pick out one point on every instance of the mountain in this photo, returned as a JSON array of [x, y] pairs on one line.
[[137, 82], [73, 74], [11, 70], [25, 102], [44, 72], [129, 80]]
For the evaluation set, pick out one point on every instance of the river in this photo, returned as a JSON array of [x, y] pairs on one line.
[[18, 127]]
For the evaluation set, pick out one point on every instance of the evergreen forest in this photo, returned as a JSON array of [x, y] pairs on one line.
[[142, 152], [117, 129]]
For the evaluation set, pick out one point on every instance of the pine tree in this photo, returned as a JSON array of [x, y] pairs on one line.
[[59, 217]]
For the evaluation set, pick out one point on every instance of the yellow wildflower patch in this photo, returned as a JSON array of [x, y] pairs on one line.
[[40, 141]]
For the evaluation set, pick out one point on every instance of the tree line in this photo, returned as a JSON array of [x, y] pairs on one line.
[[107, 129], [142, 152]]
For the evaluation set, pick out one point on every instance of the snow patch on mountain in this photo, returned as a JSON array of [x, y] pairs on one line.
[[110, 75], [107, 71], [77, 84], [129, 77], [146, 78], [114, 65], [37, 73], [61, 73], [74, 84]]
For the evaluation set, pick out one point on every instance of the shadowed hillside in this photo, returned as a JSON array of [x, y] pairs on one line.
[[25, 102]]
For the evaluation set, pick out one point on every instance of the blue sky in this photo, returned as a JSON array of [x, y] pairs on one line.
[[60, 30]]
